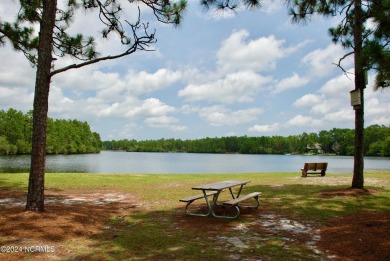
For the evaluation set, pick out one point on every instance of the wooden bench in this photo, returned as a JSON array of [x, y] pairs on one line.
[[314, 168], [191, 199], [234, 202]]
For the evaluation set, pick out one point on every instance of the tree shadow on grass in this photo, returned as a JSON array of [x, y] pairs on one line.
[[90, 230], [171, 234], [4, 183], [321, 202], [168, 234]]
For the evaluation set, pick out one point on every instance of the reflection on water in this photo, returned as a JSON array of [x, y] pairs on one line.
[[166, 163]]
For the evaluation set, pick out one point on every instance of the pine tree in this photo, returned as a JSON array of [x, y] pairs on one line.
[[54, 42], [369, 46]]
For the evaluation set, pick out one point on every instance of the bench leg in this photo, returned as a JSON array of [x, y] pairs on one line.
[[194, 213], [209, 207], [228, 217], [257, 202]]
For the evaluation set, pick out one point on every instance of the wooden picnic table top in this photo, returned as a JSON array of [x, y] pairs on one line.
[[221, 185]]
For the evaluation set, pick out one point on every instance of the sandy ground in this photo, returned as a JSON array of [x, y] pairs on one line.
[[83, 215]]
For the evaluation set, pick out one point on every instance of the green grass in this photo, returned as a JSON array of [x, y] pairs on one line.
[[153, 233], [285, 192]]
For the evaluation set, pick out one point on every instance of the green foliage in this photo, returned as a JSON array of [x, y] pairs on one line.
[[230, 5], [15, 128], [377, 141], [63, 137], [335, 141], [5, 147]]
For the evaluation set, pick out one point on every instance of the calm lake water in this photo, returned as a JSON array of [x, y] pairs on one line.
[[177, 163]]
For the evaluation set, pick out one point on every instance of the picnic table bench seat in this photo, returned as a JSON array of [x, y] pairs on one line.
[[234, 202], [314, 168], [193, 198]]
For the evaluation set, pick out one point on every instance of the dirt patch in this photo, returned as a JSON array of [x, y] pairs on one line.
[[364, 236], [349, 192], [360, 237], [76, 216], [82, 216]]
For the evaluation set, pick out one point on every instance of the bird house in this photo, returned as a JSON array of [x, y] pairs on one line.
[[355, 98]]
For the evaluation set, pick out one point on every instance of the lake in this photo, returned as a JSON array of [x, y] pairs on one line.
[[183, 163]]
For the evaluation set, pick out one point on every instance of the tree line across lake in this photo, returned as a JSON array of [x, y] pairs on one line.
[[335, 141], [63, 136], [72, 137]]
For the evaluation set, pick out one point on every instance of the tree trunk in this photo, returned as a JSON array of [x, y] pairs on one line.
[[36, 185], [358, 177]]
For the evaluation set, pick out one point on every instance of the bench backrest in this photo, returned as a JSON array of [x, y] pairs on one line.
[[316, 166]]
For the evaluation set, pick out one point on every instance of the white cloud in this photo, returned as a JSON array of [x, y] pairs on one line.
[[151, 107], [187, 109], [320, 61], [165, 122], [332, 100], [303, 121], [127, 98], [15, 70], [376, 108], [110, 110], [338, 87], [264, 128], [342, 115], [133, 108], [308, 100], [89, 78], [380, 121], [111, 87], [318, 104], [59, 103], [326, 106], [125, 131], [8, 10], [10, 97], [257, 55], [143, 82], [292, 82], [222, 116], [271, 6], [236, 87]]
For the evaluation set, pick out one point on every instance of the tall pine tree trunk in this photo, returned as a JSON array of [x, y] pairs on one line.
[[358, 178], [36, 185]]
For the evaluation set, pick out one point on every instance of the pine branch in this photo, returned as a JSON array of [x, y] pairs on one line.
[[140, 43], [340, 61]]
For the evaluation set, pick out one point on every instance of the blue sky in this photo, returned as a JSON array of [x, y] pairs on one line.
[[218, 74]]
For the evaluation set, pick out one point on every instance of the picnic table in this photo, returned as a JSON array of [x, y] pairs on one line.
[[213, 190]]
